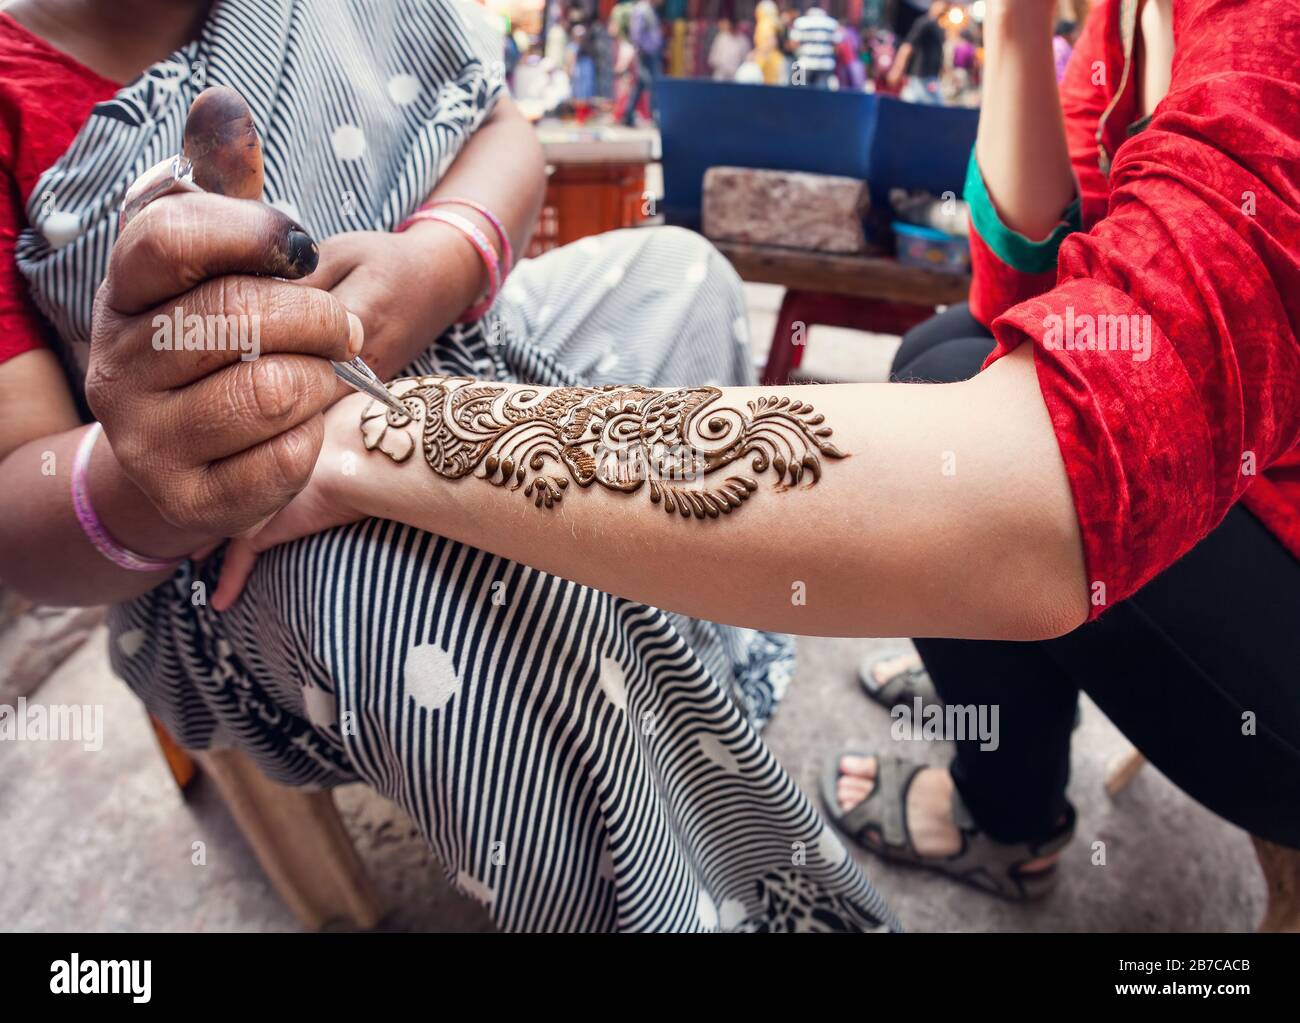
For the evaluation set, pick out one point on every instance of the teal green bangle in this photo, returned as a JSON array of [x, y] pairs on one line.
[[1012, 247]]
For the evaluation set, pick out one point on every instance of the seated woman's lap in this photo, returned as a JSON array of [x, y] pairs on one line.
[[531, 727], [948, 347], [1194, 667], [658, 306]]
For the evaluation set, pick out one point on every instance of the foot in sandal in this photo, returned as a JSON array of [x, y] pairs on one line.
[[909, 813], [897, 681], [901, 680]]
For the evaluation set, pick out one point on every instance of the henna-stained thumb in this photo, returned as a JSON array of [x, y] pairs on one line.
[[300, 255], [222, 144]]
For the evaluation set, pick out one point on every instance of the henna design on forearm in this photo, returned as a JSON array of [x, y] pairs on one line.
[[622, 437]]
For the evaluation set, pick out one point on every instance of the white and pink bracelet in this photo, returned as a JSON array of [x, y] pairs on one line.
[[95, 532], [496, 266], [503, 239]]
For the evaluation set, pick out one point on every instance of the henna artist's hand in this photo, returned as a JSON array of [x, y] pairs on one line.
[[218, 435], [219, 442], [406, 288], [332, 497]]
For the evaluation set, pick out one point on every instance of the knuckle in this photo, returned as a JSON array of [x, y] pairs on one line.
[[103, 372], [146, 457], [323, 322], [319, 386], [239, 295], [124, 367], [102, 315], [178, 497], [274, 386], [158, 234], [130, 454], [101, 380], [187, 508], [294, 454], [238, 494]]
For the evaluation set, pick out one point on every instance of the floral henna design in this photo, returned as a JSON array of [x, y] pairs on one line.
[[622, 437]]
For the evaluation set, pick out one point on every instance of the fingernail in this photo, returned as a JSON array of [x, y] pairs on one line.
[[303, 253], [356, 335]]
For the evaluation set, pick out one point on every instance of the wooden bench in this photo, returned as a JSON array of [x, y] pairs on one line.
[[868, 292]]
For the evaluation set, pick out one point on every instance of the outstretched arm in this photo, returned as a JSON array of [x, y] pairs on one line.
[[1021, 147], [864, 509]]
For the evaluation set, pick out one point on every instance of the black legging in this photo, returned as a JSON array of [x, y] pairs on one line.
[[1200, 668]]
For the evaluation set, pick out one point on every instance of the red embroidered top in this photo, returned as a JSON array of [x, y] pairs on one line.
[[45, 98], [1166, 337]]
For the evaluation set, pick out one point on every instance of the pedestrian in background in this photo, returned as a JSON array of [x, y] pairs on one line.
[[921, 57], [647, 38], [814, 34]]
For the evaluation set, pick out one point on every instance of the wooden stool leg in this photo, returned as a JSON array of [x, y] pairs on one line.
[[179, 762], [1281, 868], [300, 841], [784, 355], [1122, 770]]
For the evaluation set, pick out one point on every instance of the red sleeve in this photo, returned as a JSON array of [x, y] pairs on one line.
[[45, 98], [1083, 101], [996, 285], [21, 328], [1202, 245]]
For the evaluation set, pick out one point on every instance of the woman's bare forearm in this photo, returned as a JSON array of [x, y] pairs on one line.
[[44, 554], [836, 510], [1021, 147], [901, 60], [501, 167]]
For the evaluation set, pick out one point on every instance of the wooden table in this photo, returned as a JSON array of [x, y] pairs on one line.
[[863, 292], [595, 180]]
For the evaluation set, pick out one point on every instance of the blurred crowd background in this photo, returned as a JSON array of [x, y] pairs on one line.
[[599, 58]]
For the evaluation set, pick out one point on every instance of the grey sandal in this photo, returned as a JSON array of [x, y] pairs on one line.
[[879, 824], [902, 689]]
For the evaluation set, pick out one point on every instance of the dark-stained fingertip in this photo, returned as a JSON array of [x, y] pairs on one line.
[[303, 253]]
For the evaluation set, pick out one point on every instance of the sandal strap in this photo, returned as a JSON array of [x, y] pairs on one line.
[[902, 686], [879, 823], [903, 682], [995, 866], [965, 821], [884, 811]]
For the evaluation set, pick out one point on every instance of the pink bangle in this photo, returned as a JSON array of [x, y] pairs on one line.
[[480, 242], [507, 252], [90, 524]]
